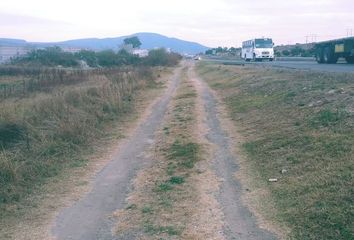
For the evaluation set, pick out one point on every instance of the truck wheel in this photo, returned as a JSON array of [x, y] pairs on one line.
[[349, 60], [329, 56], [319, 56], [246, 59]]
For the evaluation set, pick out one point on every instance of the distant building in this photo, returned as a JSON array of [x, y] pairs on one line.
[[141, 52], [8, 52], [72, 49]]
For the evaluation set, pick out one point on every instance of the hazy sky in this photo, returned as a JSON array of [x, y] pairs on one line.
[[210, 22]]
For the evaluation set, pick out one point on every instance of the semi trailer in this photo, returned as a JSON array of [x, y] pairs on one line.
[[331, 51]]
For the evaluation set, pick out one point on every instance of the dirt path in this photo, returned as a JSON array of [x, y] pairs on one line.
[[239, 223], [90, 218]]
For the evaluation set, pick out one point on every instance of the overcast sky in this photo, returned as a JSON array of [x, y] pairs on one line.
[[209, 22]]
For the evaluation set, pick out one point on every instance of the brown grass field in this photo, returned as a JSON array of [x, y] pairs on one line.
[[52, 116]]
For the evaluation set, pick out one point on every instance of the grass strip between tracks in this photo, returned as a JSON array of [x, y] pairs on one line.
[[163, 201]]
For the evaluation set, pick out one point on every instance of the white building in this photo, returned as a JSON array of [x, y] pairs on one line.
[[141, 52], [72, 49], [8, 52]]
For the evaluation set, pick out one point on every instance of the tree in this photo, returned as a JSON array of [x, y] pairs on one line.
[[209, 52], [134, 41], [160, 57], [107, 58], [285, 53], [219, 50], [233, 51], [51, 56], [88, 56], [297, 51]]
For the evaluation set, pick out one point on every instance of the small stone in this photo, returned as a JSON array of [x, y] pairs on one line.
[[316, 104], [331, 91], [283, 171]]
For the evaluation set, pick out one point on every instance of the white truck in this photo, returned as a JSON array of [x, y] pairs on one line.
[[258, 49]]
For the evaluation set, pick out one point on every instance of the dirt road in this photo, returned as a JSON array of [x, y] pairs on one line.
[[90, 218], [239, 222]]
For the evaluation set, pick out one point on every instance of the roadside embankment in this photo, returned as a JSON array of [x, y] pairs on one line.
[[297, 135]]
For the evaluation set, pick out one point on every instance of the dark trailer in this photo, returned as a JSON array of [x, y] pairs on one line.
[[330, 51]]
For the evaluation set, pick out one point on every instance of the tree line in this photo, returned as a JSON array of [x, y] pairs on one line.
[[289, 51], [223, 50], [55, 56], [295, 51]]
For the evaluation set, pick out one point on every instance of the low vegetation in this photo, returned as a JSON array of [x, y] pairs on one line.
[[55, 56], [299, 129], [297, 50], [225, 51], [53, 116]]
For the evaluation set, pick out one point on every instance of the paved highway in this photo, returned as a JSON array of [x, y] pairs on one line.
[[341, 66]]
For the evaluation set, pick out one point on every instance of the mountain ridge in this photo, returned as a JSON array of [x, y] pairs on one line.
[[149, 41]]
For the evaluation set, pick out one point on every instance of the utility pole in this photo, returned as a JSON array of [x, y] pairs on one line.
[[349, 32], [314, 38], [311, 37]]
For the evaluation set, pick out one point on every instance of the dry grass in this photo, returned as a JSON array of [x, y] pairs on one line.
[[31, 217], [46, 132], [297, 126]]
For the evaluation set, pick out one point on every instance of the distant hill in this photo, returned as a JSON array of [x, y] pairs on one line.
[[149, 41], [12, 42]]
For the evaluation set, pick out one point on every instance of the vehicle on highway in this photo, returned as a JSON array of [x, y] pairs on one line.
[[258, 49], [331, 51]]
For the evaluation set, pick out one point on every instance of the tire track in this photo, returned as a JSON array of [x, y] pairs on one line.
[[90, 218], [239, 222]]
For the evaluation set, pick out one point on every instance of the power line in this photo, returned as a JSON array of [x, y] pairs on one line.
[[311, 38]]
